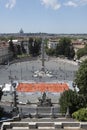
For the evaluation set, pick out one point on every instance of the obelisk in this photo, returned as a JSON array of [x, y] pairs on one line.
[[43, 66]]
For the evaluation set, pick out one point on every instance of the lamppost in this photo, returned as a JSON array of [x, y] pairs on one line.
[[15, 109], [43, 66]]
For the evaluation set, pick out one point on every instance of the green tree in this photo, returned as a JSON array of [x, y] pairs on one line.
[[3, 38], [30, 46], [65, 48], [1, 112], [72, 52], [81, 79], [12, 48], [1, 109], [19, 51], [34, 46], [50, 51], [81, 52], [80, 115], [59, 50], [69, 99], [1, 93], [37, 47], [22, 48]]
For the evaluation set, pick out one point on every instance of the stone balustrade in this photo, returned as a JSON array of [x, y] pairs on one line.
[[43, 125]]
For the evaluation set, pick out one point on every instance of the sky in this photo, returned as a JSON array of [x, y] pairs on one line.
[[46, 16]]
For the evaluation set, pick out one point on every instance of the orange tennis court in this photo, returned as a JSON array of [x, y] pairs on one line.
[[42, 87]]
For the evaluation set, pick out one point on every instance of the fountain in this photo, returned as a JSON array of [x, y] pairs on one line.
[[44, 101]]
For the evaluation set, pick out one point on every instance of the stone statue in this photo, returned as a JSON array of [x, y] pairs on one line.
[[44, 96], [44, 101]]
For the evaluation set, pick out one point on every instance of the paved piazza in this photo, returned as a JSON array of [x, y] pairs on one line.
[[63, 70]]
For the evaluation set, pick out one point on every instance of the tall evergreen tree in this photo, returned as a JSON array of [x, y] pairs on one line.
[[22, 48], [1, 93], [1, 109], [34, 46], [12, 48], [30, 46], [19, 51]]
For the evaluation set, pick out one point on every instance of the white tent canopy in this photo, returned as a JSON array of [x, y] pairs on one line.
[[7, 88]]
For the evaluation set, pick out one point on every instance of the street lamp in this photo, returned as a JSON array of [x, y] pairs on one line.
[[15, 98]]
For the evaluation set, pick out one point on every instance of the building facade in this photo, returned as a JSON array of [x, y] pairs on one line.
[[52, 43], [5, 55]]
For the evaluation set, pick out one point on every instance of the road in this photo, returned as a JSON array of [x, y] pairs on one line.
[[31, 109]]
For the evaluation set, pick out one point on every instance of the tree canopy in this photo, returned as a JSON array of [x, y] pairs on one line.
[[22, 48], [1, 109], [81, 52], [34, 46], [81, 79], [1, 93], [72, 99], [80, 115], [65, 48], [12, 48], [69, 99]]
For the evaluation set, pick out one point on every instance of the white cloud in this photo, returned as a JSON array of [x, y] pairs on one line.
[[83, 2], [76, 3], [51, 3], [54, 4], [10, 4], [71, 3]]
